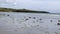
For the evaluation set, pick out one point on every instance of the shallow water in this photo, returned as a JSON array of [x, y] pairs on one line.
[[29, 23]]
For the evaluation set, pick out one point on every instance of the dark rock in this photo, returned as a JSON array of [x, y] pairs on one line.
[[7, 15], [34, 18], [50, 20], [40, 19], [29, 17], [26, 19]]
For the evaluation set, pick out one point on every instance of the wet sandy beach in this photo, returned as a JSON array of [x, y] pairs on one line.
[[29, 23]]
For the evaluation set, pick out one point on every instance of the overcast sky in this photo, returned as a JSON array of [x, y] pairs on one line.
[[52, 6]]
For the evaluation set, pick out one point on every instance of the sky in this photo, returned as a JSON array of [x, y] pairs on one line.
[[52, 6]]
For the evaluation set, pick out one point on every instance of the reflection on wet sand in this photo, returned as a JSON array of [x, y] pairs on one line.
[[29, 24]]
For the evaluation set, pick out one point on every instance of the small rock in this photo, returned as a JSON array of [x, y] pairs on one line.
[[34, 18], [26, 19], [7, 15], [50, 20], [40, 19], [29, 17]]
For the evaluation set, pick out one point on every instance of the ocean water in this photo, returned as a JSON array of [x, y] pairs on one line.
[[29, 23]]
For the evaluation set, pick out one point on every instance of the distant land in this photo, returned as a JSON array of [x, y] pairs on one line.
[[20, 10]]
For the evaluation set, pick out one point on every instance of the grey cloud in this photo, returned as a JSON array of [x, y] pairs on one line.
[[46, 5]]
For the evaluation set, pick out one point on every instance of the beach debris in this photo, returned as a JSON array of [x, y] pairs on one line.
[[29, 17], [26, 19], [50, 20], [34, 17], [8, 15], [40, 19]]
